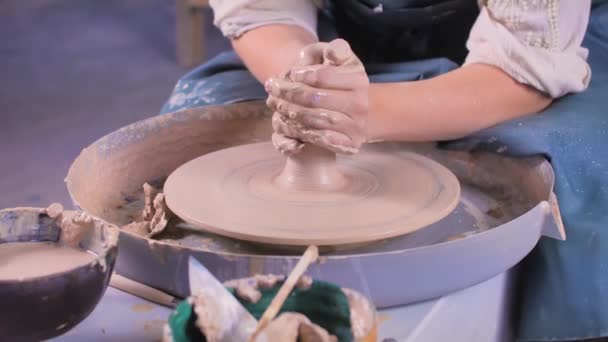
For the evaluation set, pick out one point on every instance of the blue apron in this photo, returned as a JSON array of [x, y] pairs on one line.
[[564, 288]]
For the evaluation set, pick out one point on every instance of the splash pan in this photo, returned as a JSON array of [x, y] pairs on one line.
[[505, 206]]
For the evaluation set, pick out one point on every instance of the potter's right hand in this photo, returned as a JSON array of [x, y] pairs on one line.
[[322, 100]]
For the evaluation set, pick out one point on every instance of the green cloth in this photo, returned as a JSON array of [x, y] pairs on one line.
[[323, 303], [182, 323]]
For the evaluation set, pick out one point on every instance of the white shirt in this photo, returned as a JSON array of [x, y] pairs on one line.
[[536, 42]]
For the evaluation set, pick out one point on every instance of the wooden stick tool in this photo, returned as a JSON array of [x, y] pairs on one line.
[[310, 255]]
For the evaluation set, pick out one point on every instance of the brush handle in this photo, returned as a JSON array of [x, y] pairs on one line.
[[310, 255], [143, 291]]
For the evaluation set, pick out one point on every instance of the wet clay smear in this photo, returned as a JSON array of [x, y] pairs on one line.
[[23, 260]]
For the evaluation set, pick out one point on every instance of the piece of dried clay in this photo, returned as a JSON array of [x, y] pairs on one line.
[[248, 293], [154, 217], [54, 210], [245, 289], [362, 317], [150, 193], [161, 216], [75, 227], [167, 336], [138, 228], [249, 288], [267, 281], [304, 283], [292, 327], [208, 321]]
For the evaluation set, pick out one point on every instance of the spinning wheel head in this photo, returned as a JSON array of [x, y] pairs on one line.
[[251, 193]]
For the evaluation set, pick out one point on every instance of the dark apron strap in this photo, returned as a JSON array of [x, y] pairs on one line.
[[405, 30]]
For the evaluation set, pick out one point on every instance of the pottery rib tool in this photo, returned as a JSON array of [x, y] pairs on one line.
[[310, 255]]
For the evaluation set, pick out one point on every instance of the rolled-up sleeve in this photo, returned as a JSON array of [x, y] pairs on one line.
[[536, 42], [235, 17]]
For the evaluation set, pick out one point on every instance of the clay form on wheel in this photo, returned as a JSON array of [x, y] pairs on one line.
[[253, 193]]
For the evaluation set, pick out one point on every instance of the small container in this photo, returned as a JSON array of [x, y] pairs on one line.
[[39, 308]]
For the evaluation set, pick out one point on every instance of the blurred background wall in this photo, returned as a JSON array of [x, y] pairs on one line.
[[72, 71]]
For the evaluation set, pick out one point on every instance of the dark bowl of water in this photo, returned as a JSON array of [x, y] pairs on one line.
[[47, 287]]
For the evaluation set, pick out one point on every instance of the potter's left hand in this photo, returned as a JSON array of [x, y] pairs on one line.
[[322, 100]]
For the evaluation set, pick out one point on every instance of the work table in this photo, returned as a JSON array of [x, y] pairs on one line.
[[478, 313]]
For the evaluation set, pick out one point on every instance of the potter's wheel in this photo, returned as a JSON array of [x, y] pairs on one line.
[[503, 209], [251, 193]]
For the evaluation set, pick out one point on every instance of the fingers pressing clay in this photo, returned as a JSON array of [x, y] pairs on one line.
[[311, 54], [330, 77], [296, 92], [338, 52], [306, 96], [322, 100], [287, 146], [282, 126], [315, 118], [331, 140]]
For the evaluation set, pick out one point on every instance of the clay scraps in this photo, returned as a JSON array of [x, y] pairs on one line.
[[249, 288], [74, 226], [154, 217]]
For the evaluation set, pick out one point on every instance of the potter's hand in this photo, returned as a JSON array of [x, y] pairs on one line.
[[322, 100]]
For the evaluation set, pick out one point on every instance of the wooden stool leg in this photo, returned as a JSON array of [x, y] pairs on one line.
[[190, 34]]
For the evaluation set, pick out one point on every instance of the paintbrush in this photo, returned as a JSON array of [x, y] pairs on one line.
[[310, 255]]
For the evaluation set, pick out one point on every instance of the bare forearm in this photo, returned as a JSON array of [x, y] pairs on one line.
[[450, 106], [271, 50]]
